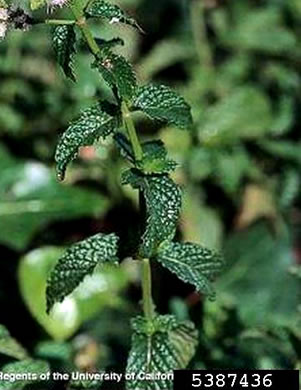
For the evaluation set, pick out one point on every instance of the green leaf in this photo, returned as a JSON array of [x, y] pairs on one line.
[[31, 197], [9, 346], [97, 292], [155, 159], [79, 261], [200, 163], [162, 103], [31, 367], [160, 347], [117, 73], [261, 30], [258, 277], [243, 114], [284, 116], [163, 55], [288, 187], [35, 4], [199, 223], [193, 264], [111, 12], [97, 121], [63, 40], [284, 149], [54, 350], [163, 203], [230, 166]]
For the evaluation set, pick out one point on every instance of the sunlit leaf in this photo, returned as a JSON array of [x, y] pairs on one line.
[[78, 262], [162, 103], [35, 4], [193, 264], [95, 293]]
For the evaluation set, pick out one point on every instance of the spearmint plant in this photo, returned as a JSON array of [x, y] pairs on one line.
[[160, 343]]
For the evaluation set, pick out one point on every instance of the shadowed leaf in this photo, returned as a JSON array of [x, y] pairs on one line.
[[163, 203]]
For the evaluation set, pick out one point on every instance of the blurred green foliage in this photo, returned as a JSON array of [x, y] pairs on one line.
[[238, 65]]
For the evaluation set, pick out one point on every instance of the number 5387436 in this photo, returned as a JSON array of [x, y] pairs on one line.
[[231, 380]]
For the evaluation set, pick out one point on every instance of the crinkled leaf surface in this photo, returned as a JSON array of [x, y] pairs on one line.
[[162, 103], [31, 197], [63, 41], [9, 346], [163, 203], [160, 347], [95, 122], [79, 261], [111, 12], [100, 290], [117, 73], [155, 160], [193, 264], [32, 367]]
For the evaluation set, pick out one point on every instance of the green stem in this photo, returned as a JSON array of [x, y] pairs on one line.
[[197, 13], [60, 21], [130, 127], [82, 24], [148, 307], [78, 13]]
